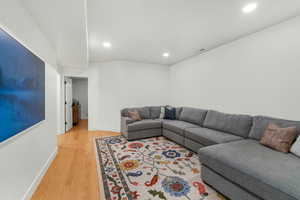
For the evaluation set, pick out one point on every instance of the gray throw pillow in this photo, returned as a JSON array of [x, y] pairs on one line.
[[296, 147]]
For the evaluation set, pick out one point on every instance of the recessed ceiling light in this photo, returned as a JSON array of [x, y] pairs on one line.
[[106, 44], [249, 7], [166, 54]]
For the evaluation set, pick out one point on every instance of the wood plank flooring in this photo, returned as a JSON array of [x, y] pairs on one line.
[[73, 173]]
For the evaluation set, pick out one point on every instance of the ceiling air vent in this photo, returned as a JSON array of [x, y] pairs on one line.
[[201, 51]]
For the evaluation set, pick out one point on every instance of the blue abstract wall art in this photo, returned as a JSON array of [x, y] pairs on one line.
[[22, 87]]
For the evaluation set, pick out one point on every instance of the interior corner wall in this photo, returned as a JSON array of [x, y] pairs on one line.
[[25, 158], [116, 85], [258, 75]]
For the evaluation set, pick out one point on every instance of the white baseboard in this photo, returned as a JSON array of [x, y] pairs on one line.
[[39, 177]]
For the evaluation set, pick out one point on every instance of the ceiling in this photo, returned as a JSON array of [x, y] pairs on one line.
[[142, 30], [64, 24]]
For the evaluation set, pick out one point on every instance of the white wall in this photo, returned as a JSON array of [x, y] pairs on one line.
[[258, 74], [80, 93], [115, 85], [24, 158]]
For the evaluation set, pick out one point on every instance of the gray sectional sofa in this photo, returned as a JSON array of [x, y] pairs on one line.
[[233, 161]]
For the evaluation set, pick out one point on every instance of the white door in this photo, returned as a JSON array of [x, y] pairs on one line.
[[68, 104]]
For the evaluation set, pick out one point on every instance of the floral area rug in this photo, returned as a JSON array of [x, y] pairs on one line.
[[150, 169]]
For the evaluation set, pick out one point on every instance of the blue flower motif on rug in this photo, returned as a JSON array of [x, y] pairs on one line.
[[113, 140], [176, 186], [171, 154]]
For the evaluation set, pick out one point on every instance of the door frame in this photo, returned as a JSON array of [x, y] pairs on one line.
[[65, 104], [62, 99]]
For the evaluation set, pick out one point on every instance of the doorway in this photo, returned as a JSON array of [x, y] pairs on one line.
[[76, 101]]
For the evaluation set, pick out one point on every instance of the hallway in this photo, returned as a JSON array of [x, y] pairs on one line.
[[73, 174]]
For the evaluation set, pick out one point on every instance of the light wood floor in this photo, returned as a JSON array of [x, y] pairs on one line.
[[73, 173]]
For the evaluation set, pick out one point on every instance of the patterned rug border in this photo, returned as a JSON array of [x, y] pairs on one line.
[[100, 173], [99, 170]]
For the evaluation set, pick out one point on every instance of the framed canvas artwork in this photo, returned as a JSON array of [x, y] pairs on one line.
[[22, 87]]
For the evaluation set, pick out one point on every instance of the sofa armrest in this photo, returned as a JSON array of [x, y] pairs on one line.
[[124, 123]]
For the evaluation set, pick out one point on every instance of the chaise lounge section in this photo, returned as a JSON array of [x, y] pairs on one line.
[[246, 169]]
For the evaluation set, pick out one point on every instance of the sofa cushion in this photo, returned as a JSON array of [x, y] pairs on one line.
[[208, 137], [177, 126], [192, 145], [261, 122], [193, 115], [143, 111], [178, 112], [142, 134], [236, 124], [260, 170], [154, 112], [175, 137], [144, 124]]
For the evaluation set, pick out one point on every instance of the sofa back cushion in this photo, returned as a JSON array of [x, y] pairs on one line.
[[178, 112], [154, 112], [260, 124], [143, 111], [235, 124], [193, 115]]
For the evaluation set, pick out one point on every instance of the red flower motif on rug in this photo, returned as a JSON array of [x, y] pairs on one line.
[[129, 165], [135, 145]]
